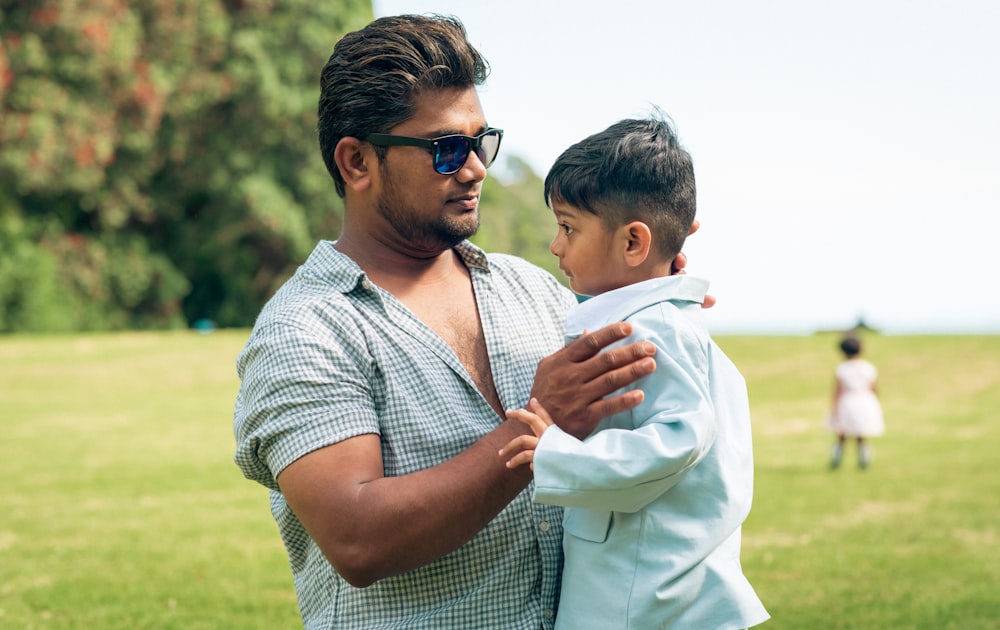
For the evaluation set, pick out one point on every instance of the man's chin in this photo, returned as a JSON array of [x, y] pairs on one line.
[[452, 238], [461, 230]]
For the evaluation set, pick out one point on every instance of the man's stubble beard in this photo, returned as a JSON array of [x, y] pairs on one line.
[[436, 234]]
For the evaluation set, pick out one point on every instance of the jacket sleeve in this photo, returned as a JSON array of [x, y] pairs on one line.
[[644, 453]]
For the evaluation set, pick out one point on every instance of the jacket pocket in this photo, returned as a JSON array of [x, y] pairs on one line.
[[592, 525]]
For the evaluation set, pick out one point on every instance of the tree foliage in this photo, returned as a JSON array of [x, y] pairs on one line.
[[158, 159], [515, 218]]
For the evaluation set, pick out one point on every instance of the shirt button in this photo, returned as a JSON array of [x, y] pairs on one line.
[[548, 613], [544, 526], [367, 286]]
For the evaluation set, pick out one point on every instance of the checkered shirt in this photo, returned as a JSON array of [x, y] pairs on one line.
[[333, 356]]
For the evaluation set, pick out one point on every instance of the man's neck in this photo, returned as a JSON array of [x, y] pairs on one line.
[[399, 270]]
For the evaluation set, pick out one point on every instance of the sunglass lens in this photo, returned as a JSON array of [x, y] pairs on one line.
[[452, 151], [451, 154], [489, 146]]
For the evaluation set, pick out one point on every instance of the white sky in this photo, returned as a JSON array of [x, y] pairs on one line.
[[847, 151]]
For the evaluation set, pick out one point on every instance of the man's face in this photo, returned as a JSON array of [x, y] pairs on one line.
[[423, 212]]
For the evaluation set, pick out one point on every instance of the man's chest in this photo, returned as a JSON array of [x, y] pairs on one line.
[[452, 314]]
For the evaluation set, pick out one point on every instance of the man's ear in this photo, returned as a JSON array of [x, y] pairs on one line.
[[638, 241], [354, 159]]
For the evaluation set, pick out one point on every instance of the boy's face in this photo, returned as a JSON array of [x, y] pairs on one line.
[[588, 251]]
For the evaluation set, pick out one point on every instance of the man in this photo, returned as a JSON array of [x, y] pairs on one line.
[[375, 381]]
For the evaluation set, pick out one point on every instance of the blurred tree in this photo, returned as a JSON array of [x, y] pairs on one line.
[[159, 165], [514, 217], [158, 161]]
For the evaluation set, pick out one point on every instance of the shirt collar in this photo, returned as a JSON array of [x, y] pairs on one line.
[[345, 275], [619, 304]]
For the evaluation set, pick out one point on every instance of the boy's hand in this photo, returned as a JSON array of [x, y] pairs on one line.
[[523, 449], [538, 419], [523, 446]]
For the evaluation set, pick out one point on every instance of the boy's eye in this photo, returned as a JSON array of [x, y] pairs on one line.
[[565, 228]]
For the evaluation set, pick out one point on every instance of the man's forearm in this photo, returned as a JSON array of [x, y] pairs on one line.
[[384, 526]]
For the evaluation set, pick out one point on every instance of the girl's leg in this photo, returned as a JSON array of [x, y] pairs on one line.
[[864, 454], [838, 452]]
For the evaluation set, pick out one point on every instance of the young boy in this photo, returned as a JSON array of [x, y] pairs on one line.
[[655, 497]]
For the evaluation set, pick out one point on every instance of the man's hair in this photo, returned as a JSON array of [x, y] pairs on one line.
[[371, 79], [635, 170]]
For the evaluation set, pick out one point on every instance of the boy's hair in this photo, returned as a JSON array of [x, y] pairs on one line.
[[635, 170], [850, 346], [370, 81]]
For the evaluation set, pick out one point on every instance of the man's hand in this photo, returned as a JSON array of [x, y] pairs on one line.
[[571, 384], [680, 262]]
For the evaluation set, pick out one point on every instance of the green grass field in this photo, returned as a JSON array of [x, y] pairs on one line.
[[123, 508]]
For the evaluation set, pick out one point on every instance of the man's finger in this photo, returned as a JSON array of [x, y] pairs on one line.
[[679, 263], [590, 344], [610, 406], [627, 356], [614, 366], [613, 380]]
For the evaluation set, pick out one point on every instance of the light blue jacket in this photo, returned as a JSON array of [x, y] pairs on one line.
[[656, 496]]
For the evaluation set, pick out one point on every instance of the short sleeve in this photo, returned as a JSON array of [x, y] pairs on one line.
[[302, 389]]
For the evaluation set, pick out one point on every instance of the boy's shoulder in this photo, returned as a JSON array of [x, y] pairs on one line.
[[625, 303]]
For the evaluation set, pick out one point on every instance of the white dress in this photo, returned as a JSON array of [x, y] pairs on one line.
[[857, 412]]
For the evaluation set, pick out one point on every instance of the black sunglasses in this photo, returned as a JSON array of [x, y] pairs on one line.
[[450, 152]]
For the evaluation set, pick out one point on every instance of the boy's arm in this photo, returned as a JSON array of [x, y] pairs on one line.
[[617, 470], [623, 469]]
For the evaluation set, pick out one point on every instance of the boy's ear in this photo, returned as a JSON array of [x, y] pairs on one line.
[[353, 158], [638, 241]]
